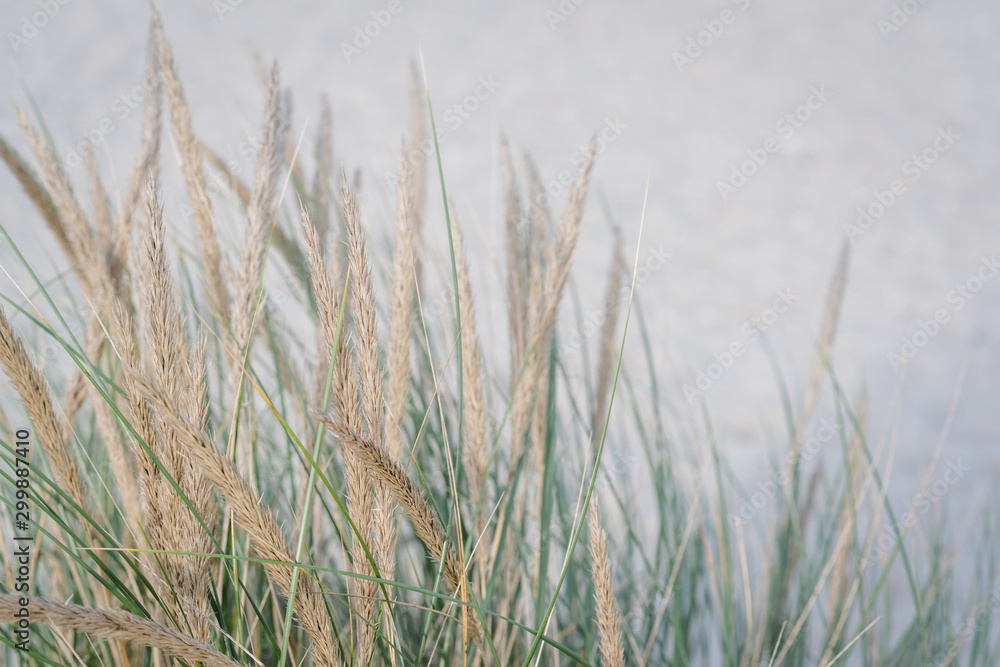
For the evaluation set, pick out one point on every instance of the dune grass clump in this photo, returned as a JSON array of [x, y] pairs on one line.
[[338, 479]]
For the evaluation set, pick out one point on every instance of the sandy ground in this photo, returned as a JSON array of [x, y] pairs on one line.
[[868, 97]]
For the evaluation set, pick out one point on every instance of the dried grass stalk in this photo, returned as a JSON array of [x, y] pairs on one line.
[[609, 618], [34, 392], [140, 416], [379, 465], [420, 150], [535, 365], [260, 216], [147, 166], [474, 453], [194, 176], [248, 299], [402, 315], [115, 624], [379, 513], [38, 195], [365, 317], [170, 358], [326, 296], [250, 514], [556, 275], [93, 267]]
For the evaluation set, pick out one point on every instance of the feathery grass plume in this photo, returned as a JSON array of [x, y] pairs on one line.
[[93, 267], [140, 413], [517, 264], [345, 388], [197, 398], [325, 296], [194, 176], [365, 318], [107, 237], [360, 501], [561, 253], [343, 391], [288, 248], [147, 166], [474, 453], [420, 147], [556, 274], [608, 350], [34, 393], [609, 618], [534, 366], [170, 357], [402, 315], [38, 195], [250, 514], [370, 378], [380, 466], [260, 214], [115, 624]]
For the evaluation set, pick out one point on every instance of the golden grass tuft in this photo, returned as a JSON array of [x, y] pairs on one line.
[[115, 624]]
